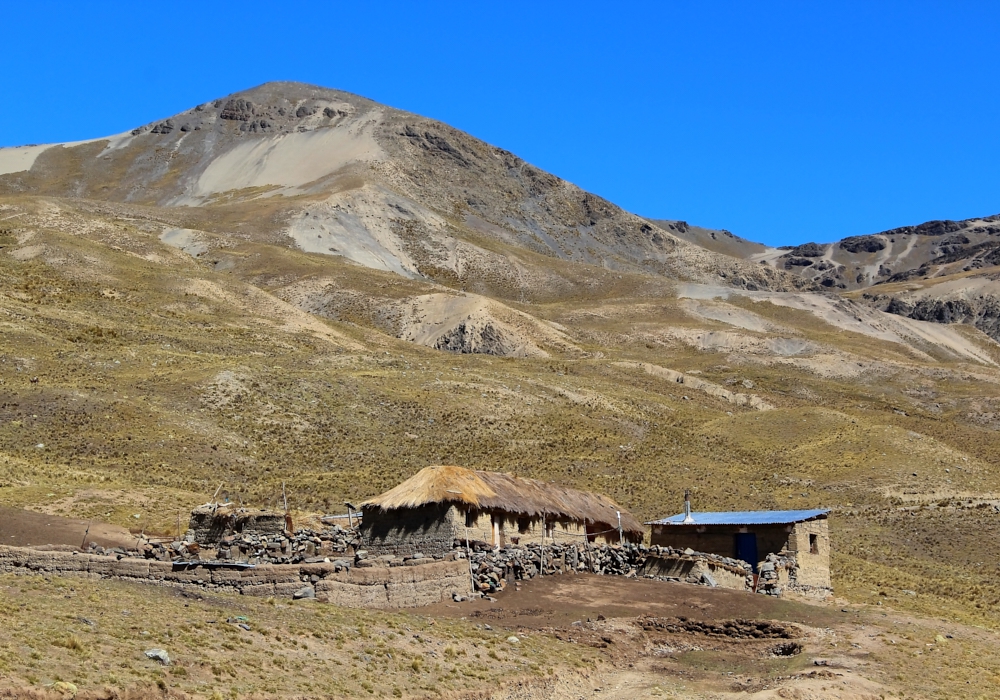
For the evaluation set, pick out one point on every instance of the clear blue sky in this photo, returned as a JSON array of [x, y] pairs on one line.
[[782, 122]]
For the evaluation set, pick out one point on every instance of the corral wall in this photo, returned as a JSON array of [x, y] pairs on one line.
[[694, 570], [371, 587]]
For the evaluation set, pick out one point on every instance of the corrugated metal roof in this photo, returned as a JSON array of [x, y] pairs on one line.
[[747, 517]]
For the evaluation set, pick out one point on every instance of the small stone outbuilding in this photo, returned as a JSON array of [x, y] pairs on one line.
[[441, 505], [799, 540], [212, 522]]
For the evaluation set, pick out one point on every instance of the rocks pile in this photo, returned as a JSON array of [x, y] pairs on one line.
[[770, 573], [259, 548], [295, 548]]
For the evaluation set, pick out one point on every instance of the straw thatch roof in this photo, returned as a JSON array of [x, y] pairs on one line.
[[495, 492]]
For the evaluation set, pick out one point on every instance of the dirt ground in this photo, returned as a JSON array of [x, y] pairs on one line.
[[25, 528], [561, 600], [663, 640]]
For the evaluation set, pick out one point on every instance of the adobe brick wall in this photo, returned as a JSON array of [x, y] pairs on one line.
[[380, 587], [813, 570], [720, 539], [692, 568]]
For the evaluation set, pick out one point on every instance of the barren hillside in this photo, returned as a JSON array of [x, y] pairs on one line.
[[297, 285]]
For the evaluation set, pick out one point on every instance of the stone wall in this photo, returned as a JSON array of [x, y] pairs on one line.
[[697, 568], [210, 524], [495, 569], [341, 582], [398, 586], [430, 530], [812, 567]]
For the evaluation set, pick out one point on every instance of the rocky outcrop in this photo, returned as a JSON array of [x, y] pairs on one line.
[[981, 310], [808, 250], [237, 110], [862, 244], [483, 338]]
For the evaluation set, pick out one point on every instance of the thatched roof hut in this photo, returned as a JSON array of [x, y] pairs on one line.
[[493, 492]]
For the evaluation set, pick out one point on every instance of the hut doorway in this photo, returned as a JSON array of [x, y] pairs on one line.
[[746, 548]]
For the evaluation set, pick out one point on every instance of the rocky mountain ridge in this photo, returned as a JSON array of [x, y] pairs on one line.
[[939, 271]]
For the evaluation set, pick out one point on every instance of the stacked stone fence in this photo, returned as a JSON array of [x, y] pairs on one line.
[[494, 569]]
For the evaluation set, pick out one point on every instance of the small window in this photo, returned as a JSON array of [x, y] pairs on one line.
[[523, 524], [471, 517], [814, 544]]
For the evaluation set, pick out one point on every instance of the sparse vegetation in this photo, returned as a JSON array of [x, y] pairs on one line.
[[135, 378]]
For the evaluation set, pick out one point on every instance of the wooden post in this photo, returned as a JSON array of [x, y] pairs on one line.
[[586, 543], [283, 496], [83, 545], [468, 555], [541, 568]]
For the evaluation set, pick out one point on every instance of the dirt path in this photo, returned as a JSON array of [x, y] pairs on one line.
[[25, 528]]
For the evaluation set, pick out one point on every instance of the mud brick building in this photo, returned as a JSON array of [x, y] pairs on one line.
[[440, 505], [801, 537]]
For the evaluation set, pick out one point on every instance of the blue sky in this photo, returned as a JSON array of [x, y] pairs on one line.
[[782, 122]]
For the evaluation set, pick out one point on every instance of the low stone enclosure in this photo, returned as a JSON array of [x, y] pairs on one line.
[[495, 569], [390, 582], [339, 582]]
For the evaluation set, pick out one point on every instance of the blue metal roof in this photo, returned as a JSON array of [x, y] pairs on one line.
[[747, 517]]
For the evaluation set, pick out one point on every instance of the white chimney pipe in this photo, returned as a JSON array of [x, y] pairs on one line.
[[687, 507]]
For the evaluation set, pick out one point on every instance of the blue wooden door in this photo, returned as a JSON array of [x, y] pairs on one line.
[[746, 548]]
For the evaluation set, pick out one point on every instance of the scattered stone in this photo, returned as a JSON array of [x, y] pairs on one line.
[[304, 593], [513, 640], [158, 655]]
